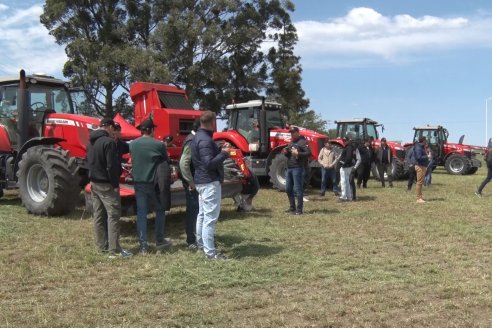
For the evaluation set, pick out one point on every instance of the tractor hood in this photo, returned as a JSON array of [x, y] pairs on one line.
[[308, 134]]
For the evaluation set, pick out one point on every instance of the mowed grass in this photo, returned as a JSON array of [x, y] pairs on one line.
[[383, 261]]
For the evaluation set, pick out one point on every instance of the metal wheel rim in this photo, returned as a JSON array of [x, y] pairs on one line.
[[281, 178], [456, 165], [37, 183]]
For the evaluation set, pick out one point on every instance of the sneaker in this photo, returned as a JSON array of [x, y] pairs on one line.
[[143, 251], [297, 213], [336, 193], [479, 194], [290, 210], [322, 194], [164, 245], [123, 254], [217, 257], [193, 247], [420, 200]]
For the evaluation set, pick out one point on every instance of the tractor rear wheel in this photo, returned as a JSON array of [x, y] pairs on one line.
[[397, 170], [48, 183], [457, 164], [278, 172]]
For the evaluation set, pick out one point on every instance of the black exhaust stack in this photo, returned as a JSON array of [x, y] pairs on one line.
[[264, 132], [23, 110]]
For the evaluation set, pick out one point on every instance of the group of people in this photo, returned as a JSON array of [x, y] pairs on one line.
[[355, 162], [201, 166]]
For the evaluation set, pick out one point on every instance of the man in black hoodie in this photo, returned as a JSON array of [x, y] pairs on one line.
[[104, 174], [297, 153]]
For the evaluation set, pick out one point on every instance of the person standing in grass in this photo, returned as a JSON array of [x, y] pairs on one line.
[[422, 161], [146, 153], [487, 179], [367, 158], [208, 161], [328, 160], [410, 160], [104, 173], [384, 157], [297, 153], [187, 172]]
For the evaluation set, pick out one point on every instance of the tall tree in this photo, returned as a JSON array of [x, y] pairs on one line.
[[99, 47]]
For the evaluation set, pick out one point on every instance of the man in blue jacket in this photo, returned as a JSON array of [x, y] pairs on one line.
[[422, 160], [207, 161]]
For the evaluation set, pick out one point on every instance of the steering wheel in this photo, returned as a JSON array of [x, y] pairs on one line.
[[37, 105]]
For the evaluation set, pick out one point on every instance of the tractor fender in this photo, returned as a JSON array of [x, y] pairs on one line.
[[234, 138], [35, 142]]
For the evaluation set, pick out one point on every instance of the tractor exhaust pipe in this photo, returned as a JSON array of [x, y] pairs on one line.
[[264, 133], [23, 110]]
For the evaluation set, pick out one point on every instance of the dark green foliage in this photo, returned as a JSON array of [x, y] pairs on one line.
[[215, 49]]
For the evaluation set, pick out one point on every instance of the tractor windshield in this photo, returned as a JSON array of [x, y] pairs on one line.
[[246, 121], [40, 98], [357, 130], [432, 136]]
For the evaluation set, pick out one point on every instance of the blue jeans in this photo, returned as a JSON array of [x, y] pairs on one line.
[[295, 188], [146, 195], [428, 174], [192, 207], [209, 198], [329, 174]]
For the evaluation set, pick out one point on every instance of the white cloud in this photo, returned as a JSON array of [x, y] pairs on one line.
[[365, 36], [26, 43]]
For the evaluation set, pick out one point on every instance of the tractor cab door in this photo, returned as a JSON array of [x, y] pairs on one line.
[[43, 100], [435, 143], [245, 122], [8, 112]]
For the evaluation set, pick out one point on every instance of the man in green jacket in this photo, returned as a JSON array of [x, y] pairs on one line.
[[146, 153]]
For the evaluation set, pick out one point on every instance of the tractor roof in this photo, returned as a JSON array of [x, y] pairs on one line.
[[357, 120], [428, 127], [255, 103], [32, 78]]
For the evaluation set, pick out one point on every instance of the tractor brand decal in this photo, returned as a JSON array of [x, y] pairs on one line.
[[280, 135], [59, 121]]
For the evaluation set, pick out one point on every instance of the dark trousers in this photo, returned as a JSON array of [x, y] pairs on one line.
[[363, 173], [192, 208], [295, 188], [411, 176], [382, 168], [486, 180]]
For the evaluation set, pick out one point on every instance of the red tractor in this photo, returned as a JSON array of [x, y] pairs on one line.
[[43, 142], [457, 158], [367, 128], [257, 129]]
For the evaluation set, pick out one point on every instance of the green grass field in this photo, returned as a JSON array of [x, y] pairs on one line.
[[383, 261]]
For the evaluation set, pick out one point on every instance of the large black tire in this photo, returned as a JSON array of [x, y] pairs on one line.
[[457, 164], [278, 172], [48, 181], [315, 177], [397, 170]]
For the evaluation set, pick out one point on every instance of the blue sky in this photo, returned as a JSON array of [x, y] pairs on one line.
[[402, 63]]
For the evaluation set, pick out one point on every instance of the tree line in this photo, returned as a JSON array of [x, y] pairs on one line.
[[219, 51]]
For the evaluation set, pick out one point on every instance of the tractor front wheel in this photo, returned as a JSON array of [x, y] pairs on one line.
[[457, 164], [48, 183], [278, 172]]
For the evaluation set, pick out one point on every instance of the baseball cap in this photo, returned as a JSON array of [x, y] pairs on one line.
[[383, 139], [147, 124], [107, 122], [294, 129]]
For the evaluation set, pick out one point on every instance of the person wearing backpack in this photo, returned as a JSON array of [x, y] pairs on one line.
[[422, 161]]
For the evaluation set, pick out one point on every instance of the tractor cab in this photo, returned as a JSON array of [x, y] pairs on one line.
[[361, 128], [245, 118], [30, 104], [436, 137]]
